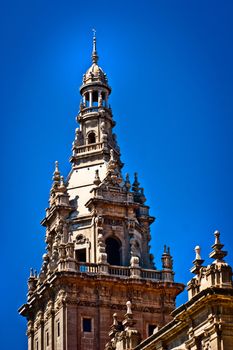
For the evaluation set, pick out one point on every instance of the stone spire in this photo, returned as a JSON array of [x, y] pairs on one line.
[[56, 183], [56, 175], [58, 193], [32, 282], [167, 261], [138, 191], [127, 182], [94, 55], [135, 186]]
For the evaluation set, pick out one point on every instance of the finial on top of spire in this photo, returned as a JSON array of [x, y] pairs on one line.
[[94, 55]]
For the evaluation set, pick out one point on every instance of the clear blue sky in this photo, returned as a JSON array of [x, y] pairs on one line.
[[170, 67]]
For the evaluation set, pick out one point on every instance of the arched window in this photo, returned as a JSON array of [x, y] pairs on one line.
[[91, 137], [113, 250]]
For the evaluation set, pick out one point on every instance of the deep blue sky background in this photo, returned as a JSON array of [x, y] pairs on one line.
[[170, 66]]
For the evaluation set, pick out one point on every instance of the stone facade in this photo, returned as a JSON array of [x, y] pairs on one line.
[[97, 236], [205, 322]]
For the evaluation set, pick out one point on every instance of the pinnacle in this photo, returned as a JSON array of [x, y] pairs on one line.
[[217, 252], [198, 261], [127, 182], [56, 174], [97, 180], [136, 184], [167, 261], [62, 186]]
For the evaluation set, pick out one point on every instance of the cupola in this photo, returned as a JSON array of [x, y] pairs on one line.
[[95, 89]]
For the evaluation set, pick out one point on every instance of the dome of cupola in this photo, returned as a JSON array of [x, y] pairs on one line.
[[95, 73]]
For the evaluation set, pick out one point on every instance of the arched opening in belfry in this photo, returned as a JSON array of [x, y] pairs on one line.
[[95, 98], [103, 96], [86, 98], [113, 250], [91, 137]]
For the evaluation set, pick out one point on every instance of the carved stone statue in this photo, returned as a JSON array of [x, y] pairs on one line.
[[78, 137]]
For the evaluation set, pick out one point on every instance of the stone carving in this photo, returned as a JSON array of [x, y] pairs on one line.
[[104, 134], [78, 138], [81, 239], [99, 221], [100, 100], [97, 178], [135, 248]]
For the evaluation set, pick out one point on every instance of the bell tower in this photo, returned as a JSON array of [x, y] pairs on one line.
[[97, 241]]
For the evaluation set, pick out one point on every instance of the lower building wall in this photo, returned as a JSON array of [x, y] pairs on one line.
[[227, 339], [71, 327]]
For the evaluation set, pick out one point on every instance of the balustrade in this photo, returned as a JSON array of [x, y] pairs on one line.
[[90, 147], [119, 271], [151, 274], [124, 271], [93, 109], [87, 267]]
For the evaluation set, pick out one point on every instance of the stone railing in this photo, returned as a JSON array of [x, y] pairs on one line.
[[119, 271], [87, 267], [89, 148], [93, 109], [151, 274], [123, 271]]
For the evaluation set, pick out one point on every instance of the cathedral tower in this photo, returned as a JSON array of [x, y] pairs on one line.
[[97, 236]]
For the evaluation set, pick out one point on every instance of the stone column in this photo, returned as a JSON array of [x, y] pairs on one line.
[[90, 98], [100, 100]]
